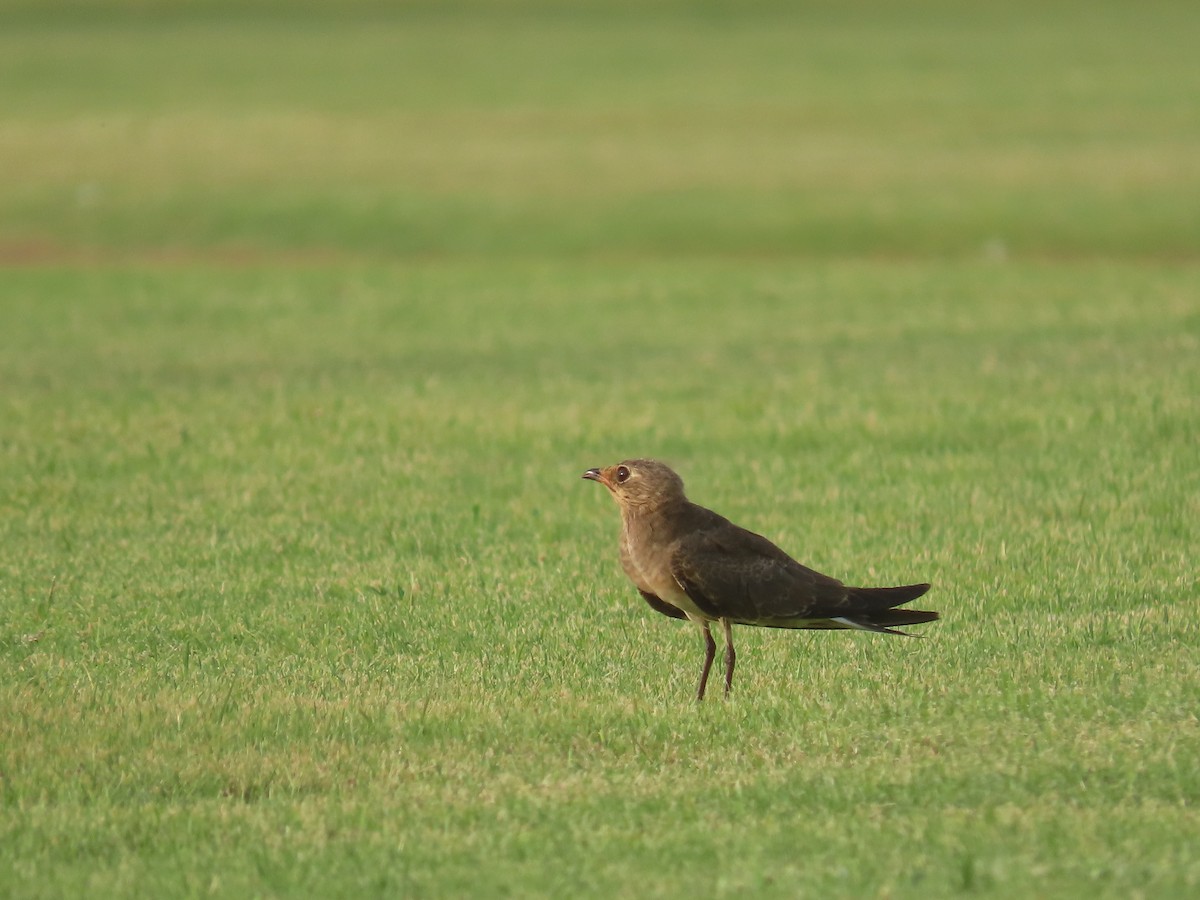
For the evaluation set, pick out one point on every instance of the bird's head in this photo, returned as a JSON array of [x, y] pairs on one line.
[[640, 484]]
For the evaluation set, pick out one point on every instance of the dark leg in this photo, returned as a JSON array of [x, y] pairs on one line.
[[710, 650], [730, 656]]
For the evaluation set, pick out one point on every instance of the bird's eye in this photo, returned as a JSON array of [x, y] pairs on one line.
[[622, 474]]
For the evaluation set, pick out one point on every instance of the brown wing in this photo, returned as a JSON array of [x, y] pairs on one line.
[[661, 606], [732, 573]]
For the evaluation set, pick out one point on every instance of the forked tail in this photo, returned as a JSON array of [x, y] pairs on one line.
[[875, 609]]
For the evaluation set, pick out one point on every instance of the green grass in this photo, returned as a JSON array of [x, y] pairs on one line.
[[1057, 131], [309, 325]]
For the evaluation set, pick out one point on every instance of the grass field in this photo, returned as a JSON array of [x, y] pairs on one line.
[[309, 325]]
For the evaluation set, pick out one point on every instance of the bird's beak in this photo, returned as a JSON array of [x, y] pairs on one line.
[[594, 475]]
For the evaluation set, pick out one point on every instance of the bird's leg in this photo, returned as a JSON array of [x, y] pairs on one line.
[[710, 650], [730, 656]]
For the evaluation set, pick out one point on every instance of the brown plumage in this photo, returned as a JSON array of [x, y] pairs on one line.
[[688, 562]]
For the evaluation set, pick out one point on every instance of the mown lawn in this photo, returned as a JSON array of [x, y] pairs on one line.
[[309, 325]]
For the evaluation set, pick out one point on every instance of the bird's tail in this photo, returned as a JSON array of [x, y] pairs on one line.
[[875, 609]]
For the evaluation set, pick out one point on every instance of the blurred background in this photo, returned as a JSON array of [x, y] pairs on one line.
[[266, 130]]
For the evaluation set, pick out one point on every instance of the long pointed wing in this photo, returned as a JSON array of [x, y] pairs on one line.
[[732, 573]]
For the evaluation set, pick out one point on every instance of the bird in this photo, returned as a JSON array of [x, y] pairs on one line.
[[689, 562]]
